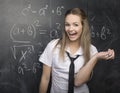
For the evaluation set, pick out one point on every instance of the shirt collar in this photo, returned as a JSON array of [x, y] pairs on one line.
[[78, 52]]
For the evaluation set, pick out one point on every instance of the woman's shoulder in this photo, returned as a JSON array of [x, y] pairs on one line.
[[53, 42], [93, 46], [93, 49]]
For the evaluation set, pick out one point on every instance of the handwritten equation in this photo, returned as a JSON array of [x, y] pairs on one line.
[[24, 54], [42, 11], [25, 34], [101, 29], [103, 34], [29, 31]]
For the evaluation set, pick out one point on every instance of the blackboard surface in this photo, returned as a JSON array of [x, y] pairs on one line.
[[26, 26]]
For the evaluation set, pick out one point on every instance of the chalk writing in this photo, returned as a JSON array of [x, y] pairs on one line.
[[26, 11], [42, 10], [53, 34], [36, 23], [24, 67], [23, 51], [26, 31], [58, 10], [24, 35], [101, 34], [101, 30], [58, 26]]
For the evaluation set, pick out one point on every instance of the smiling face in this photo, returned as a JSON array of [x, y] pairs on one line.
[[73, 27]]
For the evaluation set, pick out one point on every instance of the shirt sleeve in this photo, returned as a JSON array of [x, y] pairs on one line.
[[46, 56], [93, 50]]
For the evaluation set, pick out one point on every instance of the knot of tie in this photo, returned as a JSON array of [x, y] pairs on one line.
[[71, 73]]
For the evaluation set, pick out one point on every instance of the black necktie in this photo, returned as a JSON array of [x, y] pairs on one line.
[[71, 74]]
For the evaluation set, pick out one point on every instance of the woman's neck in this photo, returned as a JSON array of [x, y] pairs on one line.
[[74, 46]]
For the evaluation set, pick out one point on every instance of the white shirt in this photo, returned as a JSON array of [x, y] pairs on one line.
[[60, 69]]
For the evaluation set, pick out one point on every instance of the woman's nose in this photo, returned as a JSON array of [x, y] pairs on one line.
[[71, 28]]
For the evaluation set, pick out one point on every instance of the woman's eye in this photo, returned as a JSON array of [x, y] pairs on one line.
[[66, 24], [76, 24]]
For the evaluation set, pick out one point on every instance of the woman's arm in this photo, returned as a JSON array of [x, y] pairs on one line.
[[84, 73], [45, 79]]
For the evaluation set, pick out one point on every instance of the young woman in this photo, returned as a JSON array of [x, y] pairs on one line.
[[57, 56]]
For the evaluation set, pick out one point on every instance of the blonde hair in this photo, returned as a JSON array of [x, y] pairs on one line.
[[85, 39]]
